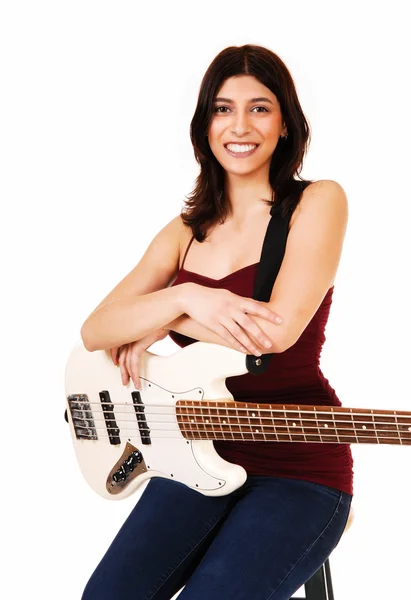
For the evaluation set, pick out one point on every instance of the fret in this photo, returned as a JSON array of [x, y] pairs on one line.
[[362, 422], [373, 422], [243, 420], [189, 421], [396, 422], [387, 423], [316, 420], [353, 424], [229, 422], [249, 421], [255, 426], [220, 423], [208, 421], [238, 420], [261, 425], [293, 417], [327, 424], [286, 423], [273, 422], [203, 418], [301, 424], [195, 419], [335, 428]]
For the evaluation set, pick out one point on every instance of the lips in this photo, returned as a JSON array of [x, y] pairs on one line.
[[241, 154]]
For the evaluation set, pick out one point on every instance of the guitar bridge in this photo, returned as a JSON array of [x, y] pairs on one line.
[[82, 417]]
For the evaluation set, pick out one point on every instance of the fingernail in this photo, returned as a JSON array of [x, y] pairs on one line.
[[267, 344], [278, 320]]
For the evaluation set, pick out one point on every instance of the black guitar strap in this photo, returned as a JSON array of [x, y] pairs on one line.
[[272, 255]]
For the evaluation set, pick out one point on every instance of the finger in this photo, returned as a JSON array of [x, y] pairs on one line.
[[114, 355], [241, 336], [251, 327], [224, 333], [257, 308], [128, 359], [132, 363], [134, 367], [122, 365]]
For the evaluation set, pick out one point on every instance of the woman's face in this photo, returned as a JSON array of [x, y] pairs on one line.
[[240, 118]]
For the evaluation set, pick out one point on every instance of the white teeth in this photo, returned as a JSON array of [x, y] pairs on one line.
[[241, 148]]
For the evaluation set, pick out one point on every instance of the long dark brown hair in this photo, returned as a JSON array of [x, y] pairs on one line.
[[207, 204]]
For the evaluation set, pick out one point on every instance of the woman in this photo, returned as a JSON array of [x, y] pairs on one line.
[[268, 537]]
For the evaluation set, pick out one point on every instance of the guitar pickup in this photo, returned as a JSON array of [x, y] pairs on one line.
[[141, 418], [111, 425]]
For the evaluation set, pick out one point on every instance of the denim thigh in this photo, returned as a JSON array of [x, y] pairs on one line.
[[273, 540], [261, 542]]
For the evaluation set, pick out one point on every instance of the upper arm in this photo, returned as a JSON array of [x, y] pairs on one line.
[[157, 267], [311, 259]]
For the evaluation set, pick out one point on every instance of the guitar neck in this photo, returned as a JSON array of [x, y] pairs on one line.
[[231, 420]]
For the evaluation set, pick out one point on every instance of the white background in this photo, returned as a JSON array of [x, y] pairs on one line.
[[97, 98]]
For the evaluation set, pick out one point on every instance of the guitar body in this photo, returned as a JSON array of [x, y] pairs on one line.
[[122, 436], [121, 439]]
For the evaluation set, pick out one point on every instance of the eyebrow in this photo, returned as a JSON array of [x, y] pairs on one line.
[[261, 99]]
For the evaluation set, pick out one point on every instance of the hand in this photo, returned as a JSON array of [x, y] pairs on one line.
[[225, 313], [127, 356]]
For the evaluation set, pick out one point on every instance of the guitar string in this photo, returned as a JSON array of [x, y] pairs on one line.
[[208, 429], [364, 440], [214, 406], [329, 432], [331, 416], [329, 422]]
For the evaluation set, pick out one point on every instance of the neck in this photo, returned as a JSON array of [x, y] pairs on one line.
[[245, 196], [230, 420]]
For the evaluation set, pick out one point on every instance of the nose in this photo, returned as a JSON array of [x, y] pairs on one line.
[[240, 124]]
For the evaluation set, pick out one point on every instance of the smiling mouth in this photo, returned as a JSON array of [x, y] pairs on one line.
[[239, 154]]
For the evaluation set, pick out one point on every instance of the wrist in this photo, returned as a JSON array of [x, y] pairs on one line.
[[184, 291]]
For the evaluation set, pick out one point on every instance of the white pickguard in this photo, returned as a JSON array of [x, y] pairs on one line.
[[196, 372]]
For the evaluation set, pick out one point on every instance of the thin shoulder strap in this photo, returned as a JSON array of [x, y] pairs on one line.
[[185, 253]]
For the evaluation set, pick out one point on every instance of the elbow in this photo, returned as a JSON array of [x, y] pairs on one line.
[[278, 345], [88, 342], [281, 341]]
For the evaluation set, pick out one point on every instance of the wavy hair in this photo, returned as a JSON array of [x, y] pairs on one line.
[[207, 203]]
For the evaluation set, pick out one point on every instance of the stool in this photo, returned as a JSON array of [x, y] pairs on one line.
[[319, 586]]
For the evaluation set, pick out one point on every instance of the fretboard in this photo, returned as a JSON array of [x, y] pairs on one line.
[[230, 420]]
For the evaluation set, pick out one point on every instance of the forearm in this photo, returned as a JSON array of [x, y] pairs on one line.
[[191, 328], [125, 320], [187, 326]]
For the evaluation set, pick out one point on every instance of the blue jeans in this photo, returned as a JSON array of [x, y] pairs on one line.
[[261, 542]]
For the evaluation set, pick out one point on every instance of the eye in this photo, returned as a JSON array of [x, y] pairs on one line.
[[217, 109]]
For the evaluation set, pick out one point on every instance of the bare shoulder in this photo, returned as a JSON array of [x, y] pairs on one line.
[[157, 267], [324, 196]]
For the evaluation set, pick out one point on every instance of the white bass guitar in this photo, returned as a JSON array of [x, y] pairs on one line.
[[123, 436]]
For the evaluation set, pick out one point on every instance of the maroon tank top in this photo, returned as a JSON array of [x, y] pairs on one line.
[[293, 377]]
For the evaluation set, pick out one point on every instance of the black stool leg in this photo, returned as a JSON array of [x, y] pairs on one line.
[[319, 586]]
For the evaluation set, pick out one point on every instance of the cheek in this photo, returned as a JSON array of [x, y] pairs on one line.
[[215, 129]]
